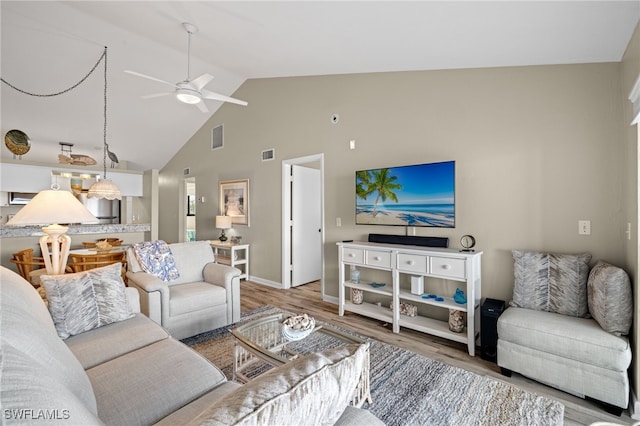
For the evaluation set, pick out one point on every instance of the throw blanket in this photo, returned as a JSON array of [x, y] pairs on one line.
[[155, 258]]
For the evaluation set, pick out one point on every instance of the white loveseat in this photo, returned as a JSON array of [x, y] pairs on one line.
[[566, 325], [204, 296]]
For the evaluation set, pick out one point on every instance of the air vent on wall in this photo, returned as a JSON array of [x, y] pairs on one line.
[[187, 171], [217, 137], [268, 154]]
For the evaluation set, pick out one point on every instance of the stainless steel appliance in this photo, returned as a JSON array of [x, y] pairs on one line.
[[107, 211], [20, 198]]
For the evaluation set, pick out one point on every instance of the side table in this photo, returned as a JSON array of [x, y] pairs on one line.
[[236, 255]]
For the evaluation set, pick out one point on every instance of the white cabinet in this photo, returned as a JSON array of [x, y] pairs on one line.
[[405, 261], [18, 177], [24, 178]]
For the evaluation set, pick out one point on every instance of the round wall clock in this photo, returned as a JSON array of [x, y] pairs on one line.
[[468, 242]]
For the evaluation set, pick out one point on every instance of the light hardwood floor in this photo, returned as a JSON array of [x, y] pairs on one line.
[[307, 298]]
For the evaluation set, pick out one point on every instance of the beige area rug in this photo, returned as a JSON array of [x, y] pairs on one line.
[[409, 389]]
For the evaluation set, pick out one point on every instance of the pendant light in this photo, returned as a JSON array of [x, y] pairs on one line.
[[104, 188]]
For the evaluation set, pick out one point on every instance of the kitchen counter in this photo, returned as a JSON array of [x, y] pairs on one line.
[[36, 231]]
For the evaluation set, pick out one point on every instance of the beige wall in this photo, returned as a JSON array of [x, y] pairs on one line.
[[630, 73], [536, 149]]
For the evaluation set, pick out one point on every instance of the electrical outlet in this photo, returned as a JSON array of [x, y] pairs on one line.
[[338, 222], [584, 227]]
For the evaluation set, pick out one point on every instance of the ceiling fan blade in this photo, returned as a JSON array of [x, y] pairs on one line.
[[202, 106], [218, 97], [201, 81], [149, 77], [156, 95]]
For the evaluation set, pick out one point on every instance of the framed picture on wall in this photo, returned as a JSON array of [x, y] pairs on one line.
[[234, 200]]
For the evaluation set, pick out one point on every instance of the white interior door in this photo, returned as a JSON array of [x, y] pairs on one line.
[[306, 225]]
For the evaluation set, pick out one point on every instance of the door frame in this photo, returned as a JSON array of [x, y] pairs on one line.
[[286, 207], [182, 203]]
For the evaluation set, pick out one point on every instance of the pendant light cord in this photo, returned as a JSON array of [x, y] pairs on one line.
[[104, 153], [62, 92]]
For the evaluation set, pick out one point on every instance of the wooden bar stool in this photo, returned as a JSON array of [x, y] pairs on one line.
[[29, 266], [84, 262]]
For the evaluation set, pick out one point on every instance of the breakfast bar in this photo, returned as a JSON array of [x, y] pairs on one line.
[[14, 238]]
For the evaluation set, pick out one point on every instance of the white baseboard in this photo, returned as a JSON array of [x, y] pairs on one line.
[[269, 283], [330, 299], [634, 406]]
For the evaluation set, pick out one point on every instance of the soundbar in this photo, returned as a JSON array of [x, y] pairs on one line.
[[441, 242]]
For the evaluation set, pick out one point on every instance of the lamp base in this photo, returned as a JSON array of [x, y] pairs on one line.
[[55, 260], [223, 237]]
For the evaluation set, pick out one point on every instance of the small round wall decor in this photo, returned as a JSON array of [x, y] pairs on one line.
[[17, 142]]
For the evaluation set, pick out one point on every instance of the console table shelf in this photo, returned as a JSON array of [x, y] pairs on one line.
[[370, 310], [402, 262]]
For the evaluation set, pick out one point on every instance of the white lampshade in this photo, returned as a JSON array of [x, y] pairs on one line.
[[106, 189], [223, 222], [53, 206]]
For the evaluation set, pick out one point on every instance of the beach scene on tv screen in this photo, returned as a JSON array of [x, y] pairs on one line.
[[418, 195]]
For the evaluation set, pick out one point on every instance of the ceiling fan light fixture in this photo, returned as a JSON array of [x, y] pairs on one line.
[[188, 96]]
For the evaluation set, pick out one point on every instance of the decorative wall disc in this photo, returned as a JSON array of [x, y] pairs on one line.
[[17, 141]]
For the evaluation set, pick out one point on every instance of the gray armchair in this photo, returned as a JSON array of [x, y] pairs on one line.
[[205, 296]]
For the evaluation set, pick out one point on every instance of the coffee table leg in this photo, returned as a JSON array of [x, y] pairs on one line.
[[362, 392]]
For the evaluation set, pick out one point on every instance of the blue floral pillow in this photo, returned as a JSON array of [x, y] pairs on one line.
[[155, 258]]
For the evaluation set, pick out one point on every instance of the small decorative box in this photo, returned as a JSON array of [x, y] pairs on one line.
[[417, 284]]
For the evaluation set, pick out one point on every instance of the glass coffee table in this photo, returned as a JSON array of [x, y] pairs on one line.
[[260, 345]]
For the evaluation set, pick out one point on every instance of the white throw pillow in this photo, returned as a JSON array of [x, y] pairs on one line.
[[551, 282], [86, 300], [311, 390], [610, 298]]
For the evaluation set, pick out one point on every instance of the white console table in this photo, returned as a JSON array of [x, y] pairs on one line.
[[400, 260], [236, 255]]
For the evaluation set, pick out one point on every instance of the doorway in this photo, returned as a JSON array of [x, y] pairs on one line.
[[189, 210], [303, 221]]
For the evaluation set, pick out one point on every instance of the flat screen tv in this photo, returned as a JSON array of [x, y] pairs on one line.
[[417, 195]]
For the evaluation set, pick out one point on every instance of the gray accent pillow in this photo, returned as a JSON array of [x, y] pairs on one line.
[[610, 298], [551, 282], [86, 300]]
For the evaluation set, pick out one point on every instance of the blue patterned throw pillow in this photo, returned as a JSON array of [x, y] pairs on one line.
[[155, 258]]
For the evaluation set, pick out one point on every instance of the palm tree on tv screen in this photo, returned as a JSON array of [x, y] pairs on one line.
[[381, 182]]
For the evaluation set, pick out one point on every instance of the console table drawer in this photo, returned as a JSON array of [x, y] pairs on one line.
[[352, 255], [412, 263], [379, 258], [448, 267]]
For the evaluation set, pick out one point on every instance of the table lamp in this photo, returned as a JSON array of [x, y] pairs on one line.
[[52, 207], [223, 222]]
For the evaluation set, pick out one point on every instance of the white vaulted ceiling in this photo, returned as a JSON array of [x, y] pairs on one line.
[[48, 46]]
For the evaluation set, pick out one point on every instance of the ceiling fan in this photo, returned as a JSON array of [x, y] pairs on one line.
[[190, 91]]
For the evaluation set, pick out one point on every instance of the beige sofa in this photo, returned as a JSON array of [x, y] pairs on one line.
[[132, 372], [206, 295]]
